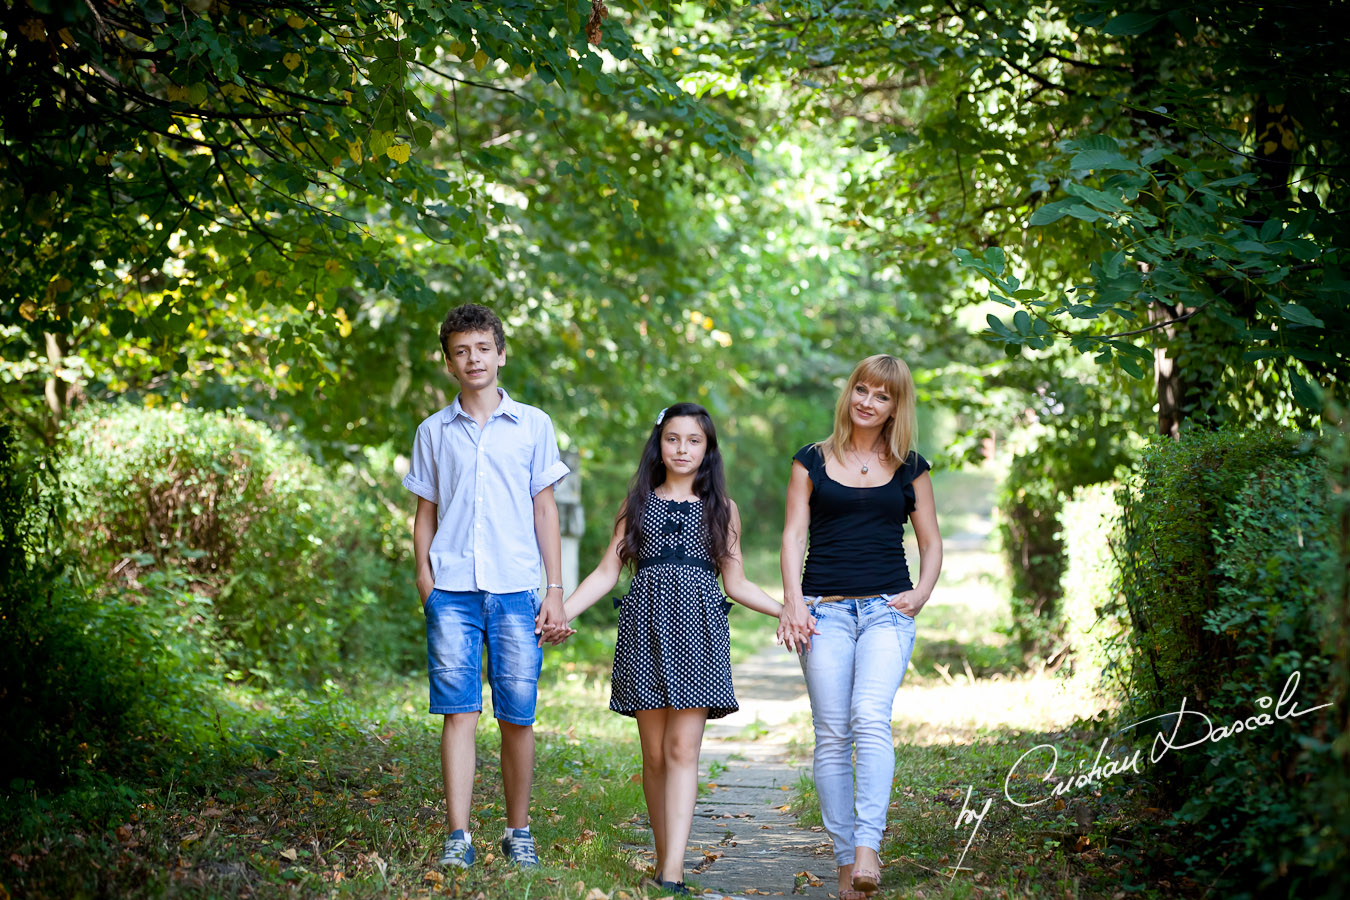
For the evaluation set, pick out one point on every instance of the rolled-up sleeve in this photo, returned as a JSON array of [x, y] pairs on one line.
[[546, 465], [421, 478]]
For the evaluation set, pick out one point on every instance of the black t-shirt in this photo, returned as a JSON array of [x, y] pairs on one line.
[[857, 533]]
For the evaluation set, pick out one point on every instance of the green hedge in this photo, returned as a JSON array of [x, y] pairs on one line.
[[1228, 559], [298, 567]]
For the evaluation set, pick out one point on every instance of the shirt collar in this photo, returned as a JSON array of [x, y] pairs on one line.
[[507, 407]]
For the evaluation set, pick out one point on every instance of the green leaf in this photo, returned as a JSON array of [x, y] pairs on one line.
[[1022, 322], [996, 325], [1101, 160], [1131, 366], [1052, 212], [1099, 199], [1131, 23], [994, 256], [1306, 394], [1304, 249], [1300, 316]]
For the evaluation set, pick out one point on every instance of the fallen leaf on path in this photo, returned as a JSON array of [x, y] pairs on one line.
[[434, 877], [598, 894], [288, 854], [212, 813]]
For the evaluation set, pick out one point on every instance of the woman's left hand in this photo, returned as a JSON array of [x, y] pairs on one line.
[[907, 602]]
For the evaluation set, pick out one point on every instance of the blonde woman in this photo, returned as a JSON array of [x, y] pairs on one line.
[[851, 495]]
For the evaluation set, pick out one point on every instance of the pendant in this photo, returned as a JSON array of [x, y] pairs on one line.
[[864, 469]]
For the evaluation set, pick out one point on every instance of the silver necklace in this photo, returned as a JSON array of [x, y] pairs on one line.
[[863, 464]]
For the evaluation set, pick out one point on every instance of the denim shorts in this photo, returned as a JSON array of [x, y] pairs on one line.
[[459, 625]]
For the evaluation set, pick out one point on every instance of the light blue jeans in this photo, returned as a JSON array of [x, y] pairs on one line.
[[853, 670]]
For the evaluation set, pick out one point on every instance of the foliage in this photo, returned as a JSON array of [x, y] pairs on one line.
[[1033, 547], [1151, 170], [79, 682], [1225, 561], [293, 565], [201, 193], [1090, 578]]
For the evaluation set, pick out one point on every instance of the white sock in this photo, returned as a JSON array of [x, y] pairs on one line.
[[508, 832]]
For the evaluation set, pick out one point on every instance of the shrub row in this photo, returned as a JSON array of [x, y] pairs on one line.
[[1229, 564], [287, 568]]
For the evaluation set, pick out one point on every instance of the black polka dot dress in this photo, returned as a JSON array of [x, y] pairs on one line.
[[674, 648]]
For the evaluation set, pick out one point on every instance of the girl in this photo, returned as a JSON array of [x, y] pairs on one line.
[[677, 529], [851, 494]]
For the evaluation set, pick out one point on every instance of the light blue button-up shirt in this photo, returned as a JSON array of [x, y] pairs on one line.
[[483, 482]]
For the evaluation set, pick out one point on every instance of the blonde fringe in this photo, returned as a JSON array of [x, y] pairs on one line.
[[897, 435]]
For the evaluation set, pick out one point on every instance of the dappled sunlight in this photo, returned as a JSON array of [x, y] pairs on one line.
[[931, 711]]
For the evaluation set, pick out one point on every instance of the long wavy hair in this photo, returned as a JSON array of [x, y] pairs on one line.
[[897, 435], [710, 484]]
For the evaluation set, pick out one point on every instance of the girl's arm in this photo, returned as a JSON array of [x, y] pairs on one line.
[[738, 587], [794, 628], [600, 582], [925, 523]]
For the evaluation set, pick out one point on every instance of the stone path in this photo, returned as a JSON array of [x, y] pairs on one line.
[[743, 842]]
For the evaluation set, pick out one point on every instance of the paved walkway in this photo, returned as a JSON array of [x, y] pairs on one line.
[[743, 842]]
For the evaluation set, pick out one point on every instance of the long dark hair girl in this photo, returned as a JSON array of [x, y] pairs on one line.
[[710, 484]]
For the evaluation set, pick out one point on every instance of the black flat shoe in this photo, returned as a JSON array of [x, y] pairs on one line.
[[677, 888]]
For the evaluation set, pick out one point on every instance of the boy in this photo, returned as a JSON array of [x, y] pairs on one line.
[[483, 470]]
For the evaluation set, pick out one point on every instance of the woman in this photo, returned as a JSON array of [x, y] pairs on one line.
[[851, 494]]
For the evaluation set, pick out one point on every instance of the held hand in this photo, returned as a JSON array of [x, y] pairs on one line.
[[907, 602], [551, 618], [795, 626], [425, 585], [558, 634]]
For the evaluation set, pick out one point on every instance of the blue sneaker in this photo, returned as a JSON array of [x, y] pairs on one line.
[[518, 845], [458, 850]]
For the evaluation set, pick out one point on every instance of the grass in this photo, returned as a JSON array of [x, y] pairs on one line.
[[344, 802]]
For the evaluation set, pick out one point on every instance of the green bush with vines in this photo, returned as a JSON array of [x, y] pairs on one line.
[[1228, 557]]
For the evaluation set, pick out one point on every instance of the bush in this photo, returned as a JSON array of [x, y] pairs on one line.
[[1033, 546], [294, 562], [1226, 561], [70, 685]]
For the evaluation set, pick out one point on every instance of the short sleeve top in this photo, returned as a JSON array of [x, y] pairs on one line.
[[857, 533], [483, 480]]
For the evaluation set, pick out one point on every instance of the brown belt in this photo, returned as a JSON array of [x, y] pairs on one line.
[[835, 598]]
